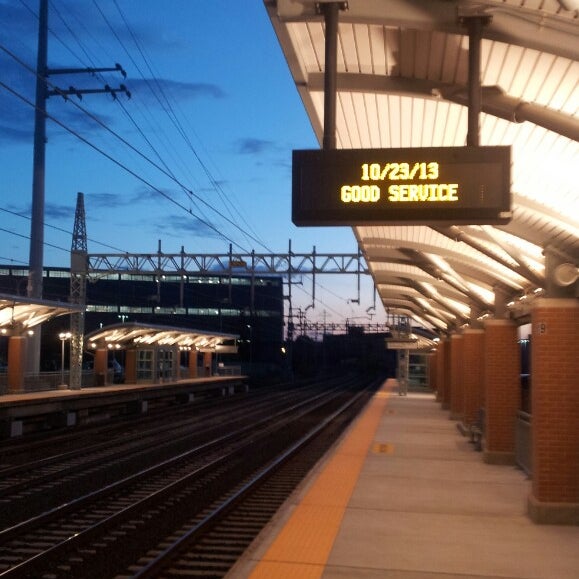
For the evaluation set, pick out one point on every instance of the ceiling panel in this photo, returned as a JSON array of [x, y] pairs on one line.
[[406, 63]]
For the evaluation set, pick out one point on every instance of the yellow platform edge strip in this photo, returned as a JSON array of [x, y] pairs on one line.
[[302, 547]]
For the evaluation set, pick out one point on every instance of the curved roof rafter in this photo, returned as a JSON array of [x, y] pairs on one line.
[[513, 24], [402, 77], [459, 261], [495, 101], [519, 267]]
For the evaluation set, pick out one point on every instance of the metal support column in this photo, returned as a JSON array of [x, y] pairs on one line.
[[330, 11], [474, 24]]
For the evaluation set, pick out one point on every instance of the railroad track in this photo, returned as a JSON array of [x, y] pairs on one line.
[[108, 532], [211, 545], [28, 489]]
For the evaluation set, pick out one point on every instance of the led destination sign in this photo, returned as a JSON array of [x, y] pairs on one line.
[[456, 185]]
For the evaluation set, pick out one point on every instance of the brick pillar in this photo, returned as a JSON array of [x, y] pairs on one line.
[[431, 361], [555, 411], [101, 357], [502, 384], [456, 385], [473, 377], [447, 374], [16, 363], [193, 363], [440, 377], [207, 361], [131, 366]]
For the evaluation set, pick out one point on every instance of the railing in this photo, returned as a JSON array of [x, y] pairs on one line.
[[47, 381], [523, 442], [228, 371]]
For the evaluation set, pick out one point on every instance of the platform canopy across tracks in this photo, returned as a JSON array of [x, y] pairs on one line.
[[402, 82], [133, 334], [20, 314]]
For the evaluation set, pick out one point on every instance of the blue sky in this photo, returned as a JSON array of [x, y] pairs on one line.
[[211, 123]]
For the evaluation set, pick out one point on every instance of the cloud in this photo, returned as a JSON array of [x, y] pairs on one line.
[[18, 17], [137, 198], [67, 116], [105, 200], [149, 90], [54, 211], [15, 134], [252, 146], [51, 211], [183, 226]]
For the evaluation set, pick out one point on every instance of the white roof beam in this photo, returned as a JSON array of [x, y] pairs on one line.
[[399, 306], [455, 233], [496, 102], [478, 271], [510, 24], [421, 261], [565, 221], [494, 99]]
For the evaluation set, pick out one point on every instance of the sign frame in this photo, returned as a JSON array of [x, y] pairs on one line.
[[408, 186]]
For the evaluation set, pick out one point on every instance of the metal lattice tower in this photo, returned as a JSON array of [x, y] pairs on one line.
[[78, 274]]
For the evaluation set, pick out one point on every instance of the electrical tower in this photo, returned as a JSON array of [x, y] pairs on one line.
[[78, 273]]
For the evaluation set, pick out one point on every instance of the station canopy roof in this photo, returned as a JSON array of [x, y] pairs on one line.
[[415, 342], [402, 82], [131, 334], [19, 313]]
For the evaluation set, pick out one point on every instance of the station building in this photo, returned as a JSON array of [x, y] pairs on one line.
[[251, 308]]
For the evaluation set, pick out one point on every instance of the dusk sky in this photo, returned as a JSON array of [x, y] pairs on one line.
[[199, 157]]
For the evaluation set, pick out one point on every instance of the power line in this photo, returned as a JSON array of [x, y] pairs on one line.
[[28, 237], [167, 107], [130, 171], [24, 99], [121, 165], [11, 259], [170, 111], [164, 105], [171, 114], [100, 76], [55, 227]]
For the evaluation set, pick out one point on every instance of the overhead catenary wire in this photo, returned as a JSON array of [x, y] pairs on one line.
[[12, 260], [232, 210], [160, 95], [204, 220], [171, 114], [61, 229], [28, 237], [155, 94], [118, 163]]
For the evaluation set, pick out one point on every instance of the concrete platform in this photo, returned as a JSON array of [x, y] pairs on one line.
[[421, 505], [34, 412]]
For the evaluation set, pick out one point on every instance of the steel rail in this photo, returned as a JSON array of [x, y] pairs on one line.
[[168, 556], [77, 538], [159, 435]]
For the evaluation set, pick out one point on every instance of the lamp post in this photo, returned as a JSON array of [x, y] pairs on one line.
[[63, 337], [250, 347]]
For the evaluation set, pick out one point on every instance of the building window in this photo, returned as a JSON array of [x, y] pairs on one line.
[[145, 365], [165, 364], [102, 309]]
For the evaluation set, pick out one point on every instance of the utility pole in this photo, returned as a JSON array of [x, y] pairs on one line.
[[37, 222], [36, 256]]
